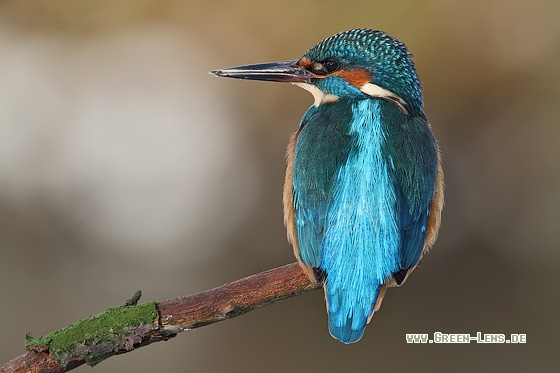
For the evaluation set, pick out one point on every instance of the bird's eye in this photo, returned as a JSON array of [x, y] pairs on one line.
[[331, 65]]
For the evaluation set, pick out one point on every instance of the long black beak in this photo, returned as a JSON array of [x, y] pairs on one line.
[[286, 71]]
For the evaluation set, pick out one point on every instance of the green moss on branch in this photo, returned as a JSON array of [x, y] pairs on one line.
[[100, 336]]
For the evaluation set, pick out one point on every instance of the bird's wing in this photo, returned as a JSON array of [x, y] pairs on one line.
[[414, 159], [413, 228], [310, 225], [321, 148]]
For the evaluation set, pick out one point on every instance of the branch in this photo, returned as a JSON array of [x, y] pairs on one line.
[[130, 326]]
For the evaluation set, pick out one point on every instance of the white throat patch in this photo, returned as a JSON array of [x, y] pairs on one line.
[[319, 96]]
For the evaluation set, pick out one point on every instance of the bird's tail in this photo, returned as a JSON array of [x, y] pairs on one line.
[[348, 314]]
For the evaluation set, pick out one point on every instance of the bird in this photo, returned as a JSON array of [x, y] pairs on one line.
[[363, 191]]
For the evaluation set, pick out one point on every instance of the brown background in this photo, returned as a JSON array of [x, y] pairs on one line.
[[125, 166]]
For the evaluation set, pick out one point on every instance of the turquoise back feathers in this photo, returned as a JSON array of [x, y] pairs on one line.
[[364, 187]]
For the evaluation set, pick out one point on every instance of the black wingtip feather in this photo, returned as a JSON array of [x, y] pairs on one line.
[[320, 275], [400, 276]]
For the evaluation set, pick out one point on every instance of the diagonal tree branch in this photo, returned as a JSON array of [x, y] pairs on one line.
[[130, 326]]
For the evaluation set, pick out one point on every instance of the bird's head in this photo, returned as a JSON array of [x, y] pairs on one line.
[[355, 64]]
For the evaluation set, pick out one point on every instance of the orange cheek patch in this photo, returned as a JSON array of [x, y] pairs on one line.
[[355, 77]]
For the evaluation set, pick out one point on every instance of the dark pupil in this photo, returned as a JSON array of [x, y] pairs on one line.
[[331, 65]]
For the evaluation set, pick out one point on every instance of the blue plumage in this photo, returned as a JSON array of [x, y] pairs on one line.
[[361, 215], [364, 186], [352, 219]]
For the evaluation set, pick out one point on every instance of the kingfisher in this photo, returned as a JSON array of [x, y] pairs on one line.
[[363, 191]]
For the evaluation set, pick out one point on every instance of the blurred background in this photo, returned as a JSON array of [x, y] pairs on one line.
[[124, 165]]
